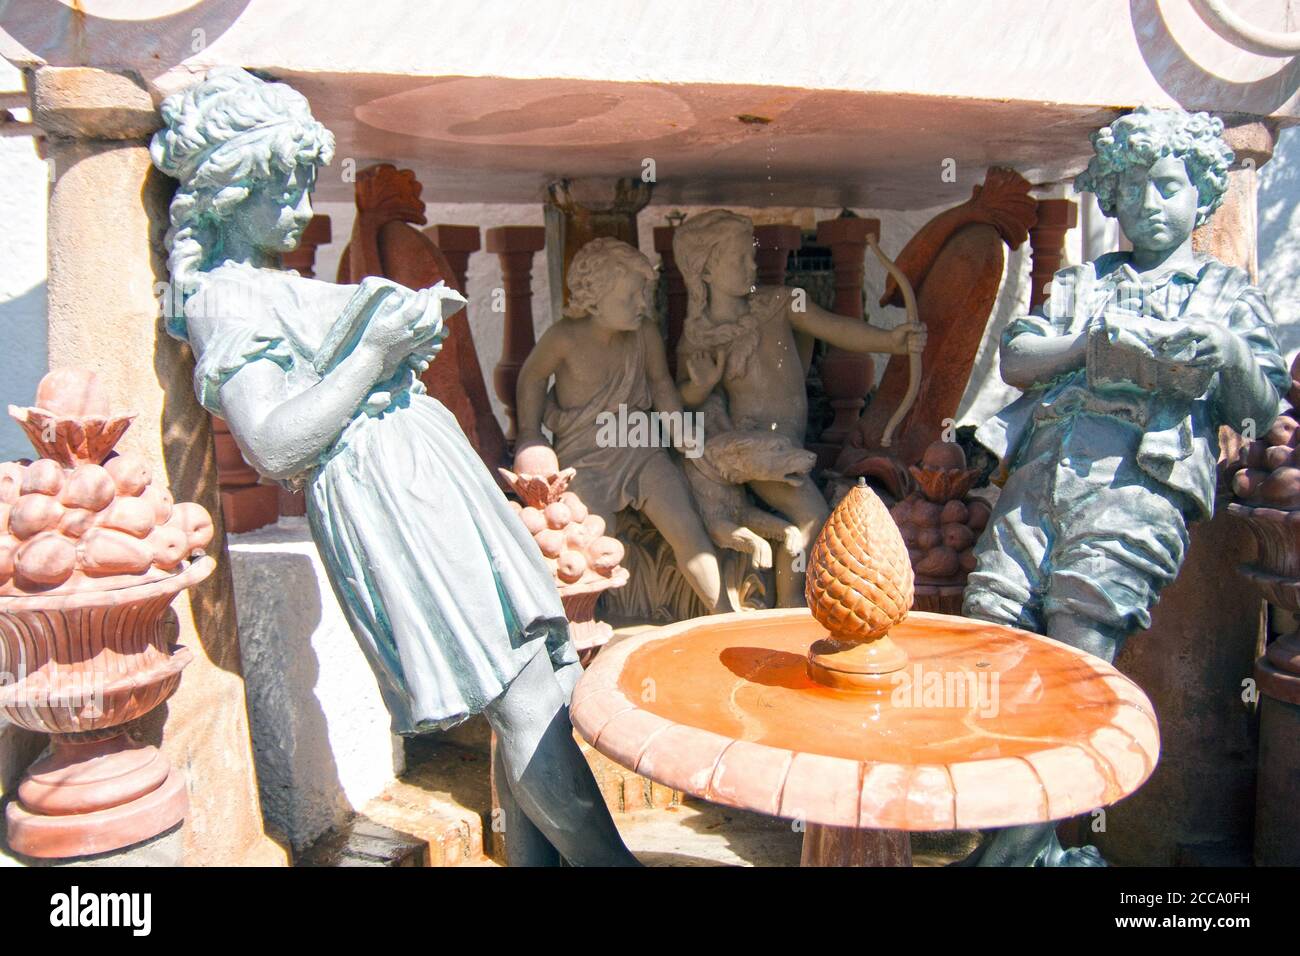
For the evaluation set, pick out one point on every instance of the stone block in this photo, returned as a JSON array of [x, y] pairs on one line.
[[321, 733]]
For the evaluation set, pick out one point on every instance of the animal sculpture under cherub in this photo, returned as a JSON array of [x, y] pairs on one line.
[[730, 459]]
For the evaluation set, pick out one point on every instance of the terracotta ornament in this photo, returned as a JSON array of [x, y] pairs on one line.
[[386, 243], [1268, 502], [939, 523], [1134, 365], [92, 553], [572, 539], [741, 341], [859, 586], [955, 264], [447, 594]]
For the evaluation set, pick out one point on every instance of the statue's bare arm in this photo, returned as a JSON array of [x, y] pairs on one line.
[[662, 389], [855, 335], [530, 390]]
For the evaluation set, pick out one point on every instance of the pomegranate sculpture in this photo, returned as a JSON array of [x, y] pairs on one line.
[[583, 559], [939, 524], [92, 553]]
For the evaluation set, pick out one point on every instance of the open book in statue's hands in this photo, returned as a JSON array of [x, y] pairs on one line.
[[1149, 353], [432, 307]]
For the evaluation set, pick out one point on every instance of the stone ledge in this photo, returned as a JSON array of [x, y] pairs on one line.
[[86, 103]]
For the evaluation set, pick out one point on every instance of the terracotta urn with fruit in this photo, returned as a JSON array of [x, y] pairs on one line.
[[583, 559], [939, 522], [92, 553], [1265, 477]]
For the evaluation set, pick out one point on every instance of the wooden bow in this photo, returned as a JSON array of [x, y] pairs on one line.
[[913, 358]]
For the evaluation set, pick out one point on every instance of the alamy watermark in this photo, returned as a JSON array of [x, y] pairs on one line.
[[633, 428], [922, 687]]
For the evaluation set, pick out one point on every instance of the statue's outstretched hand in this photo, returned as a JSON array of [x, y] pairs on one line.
[[908, 338]]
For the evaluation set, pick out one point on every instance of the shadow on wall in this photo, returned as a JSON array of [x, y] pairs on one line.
[[1279, 237], [22, 363]]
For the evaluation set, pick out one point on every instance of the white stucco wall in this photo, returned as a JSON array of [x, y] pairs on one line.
[[24, 182], [1279, 237]]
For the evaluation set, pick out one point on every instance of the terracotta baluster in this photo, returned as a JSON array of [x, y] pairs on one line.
[[515, 246], [846, 376], [1047, 244], [663, 241], [775, 242], [457, 244], [246, 504]]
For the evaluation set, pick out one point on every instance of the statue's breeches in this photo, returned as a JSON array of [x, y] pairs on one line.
[[1079, 529]]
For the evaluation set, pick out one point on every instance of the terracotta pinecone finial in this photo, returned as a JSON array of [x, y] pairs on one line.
[[859, 582]]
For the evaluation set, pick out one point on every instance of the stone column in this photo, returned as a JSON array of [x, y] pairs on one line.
[[846, 376], [515, 246], [1206, 633], [457, 244], [107, 215], [594, 209], [1231, 234], [676, 292], [1056, 217]]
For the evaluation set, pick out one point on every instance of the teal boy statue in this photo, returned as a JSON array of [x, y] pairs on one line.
[[1132, 366]]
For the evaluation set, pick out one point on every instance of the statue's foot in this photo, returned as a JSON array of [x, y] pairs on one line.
[[1032, 845], [1056, 855]]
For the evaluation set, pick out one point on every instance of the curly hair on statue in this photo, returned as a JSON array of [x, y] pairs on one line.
[[1140, 138], [593, 271], [223, 138]]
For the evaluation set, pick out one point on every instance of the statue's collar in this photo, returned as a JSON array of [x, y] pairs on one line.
[[1119, 265]]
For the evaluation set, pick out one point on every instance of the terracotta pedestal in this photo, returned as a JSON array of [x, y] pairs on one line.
[[1275, 571], [98, 789]]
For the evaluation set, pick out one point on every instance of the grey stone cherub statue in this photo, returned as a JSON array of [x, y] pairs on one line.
[[1130, 369], [444, 589]]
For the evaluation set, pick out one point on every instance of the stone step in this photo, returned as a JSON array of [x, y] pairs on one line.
[[363, 842]]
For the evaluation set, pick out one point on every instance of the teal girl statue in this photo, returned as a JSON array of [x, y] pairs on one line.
[[319, 383]]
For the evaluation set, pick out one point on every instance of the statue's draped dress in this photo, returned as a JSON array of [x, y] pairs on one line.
[[445, 590]]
